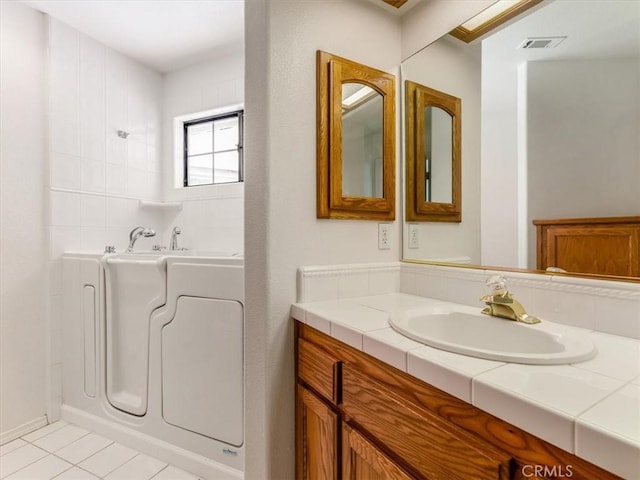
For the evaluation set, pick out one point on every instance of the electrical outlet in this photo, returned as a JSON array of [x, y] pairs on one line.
[[384, 242], [414, 236]]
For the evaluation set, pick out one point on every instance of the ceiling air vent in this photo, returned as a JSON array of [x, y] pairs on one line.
[[541, 42]]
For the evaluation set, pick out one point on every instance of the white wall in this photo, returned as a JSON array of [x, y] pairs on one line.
[[22, 232], [282, 231], [589, 168], [499, 151], [453, 67], [96, 179], [566, 168], [212, 217]]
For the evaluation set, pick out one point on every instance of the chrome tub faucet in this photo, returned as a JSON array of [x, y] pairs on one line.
[[174, 238], [137, 233]]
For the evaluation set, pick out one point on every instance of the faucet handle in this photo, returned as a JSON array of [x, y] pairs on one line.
[[497, 284]]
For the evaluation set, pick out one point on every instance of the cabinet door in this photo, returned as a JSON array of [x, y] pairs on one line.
[[602, 249], [427, 443], [361, 460], [316, 438]]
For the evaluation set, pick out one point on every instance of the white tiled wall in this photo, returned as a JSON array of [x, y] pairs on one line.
[[96, 178], [604, 306], [212, 217], [210, 224]]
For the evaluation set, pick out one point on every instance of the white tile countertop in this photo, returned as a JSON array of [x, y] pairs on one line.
[[591, 408]]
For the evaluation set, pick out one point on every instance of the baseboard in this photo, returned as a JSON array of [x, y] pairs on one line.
[[36, 423]]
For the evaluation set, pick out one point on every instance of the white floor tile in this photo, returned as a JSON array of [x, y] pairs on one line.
[[76, 473], [97, 457], [141, 467], [20, 458], [173, 473], [61, 438], [11, 446], [83, 448], [44, 469], [44, 431], [108, 459]]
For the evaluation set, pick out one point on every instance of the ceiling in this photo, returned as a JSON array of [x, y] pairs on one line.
[[594, 29], [397, 11], [165, 35]]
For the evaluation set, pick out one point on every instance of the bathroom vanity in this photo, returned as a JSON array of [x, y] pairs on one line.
[[364, 416]]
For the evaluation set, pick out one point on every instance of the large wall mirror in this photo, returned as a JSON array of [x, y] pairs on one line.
[[550, 133], [356, 140]]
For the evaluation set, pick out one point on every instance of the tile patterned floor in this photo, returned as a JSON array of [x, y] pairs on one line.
[[62, 451]]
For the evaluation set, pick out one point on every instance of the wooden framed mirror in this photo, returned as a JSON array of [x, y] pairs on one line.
[[355, 140], [433, 138]]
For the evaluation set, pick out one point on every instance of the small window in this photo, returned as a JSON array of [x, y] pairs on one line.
[[213, 150]]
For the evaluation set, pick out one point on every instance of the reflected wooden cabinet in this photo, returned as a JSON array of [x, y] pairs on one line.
[[433, 155], [604, 246], [357, 418]]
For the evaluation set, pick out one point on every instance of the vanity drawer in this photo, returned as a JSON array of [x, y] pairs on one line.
[[428, 444], [319, 370]]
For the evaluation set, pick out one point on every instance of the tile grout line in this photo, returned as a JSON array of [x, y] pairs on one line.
[[77, 464], [162, 470], [31, 463], [48, 453], [71, 463], [123, 464]]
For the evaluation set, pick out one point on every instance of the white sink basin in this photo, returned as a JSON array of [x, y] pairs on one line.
[[465, 330]]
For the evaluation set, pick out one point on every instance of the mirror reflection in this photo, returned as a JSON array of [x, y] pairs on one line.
[[438, 158], [549, 129], [362, 115]]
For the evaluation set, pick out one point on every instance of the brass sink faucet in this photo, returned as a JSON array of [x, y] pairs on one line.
[[502, 304]]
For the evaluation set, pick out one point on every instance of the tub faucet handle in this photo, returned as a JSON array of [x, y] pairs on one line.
[[174, 238]]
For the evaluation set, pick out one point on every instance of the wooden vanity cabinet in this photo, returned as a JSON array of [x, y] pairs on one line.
[[358, 418], [317, 431], [362, 460]]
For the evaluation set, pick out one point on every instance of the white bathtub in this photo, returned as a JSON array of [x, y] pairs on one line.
[[153, 354]]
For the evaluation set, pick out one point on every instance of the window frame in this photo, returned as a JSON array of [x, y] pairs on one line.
[[240, 146]]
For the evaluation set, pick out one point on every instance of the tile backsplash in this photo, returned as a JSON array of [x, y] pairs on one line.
[[316, 283], [605, 306]]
